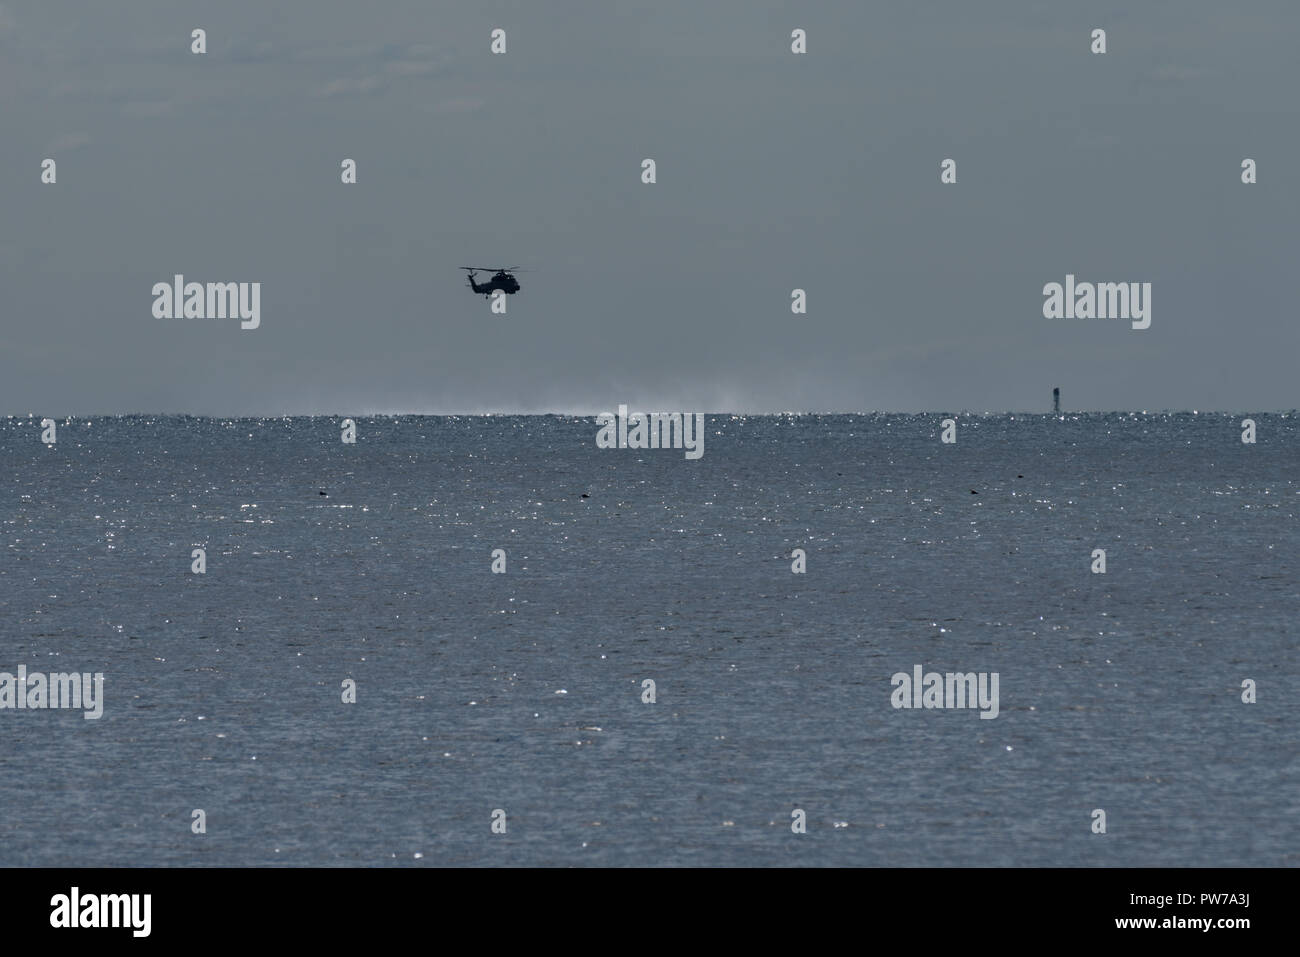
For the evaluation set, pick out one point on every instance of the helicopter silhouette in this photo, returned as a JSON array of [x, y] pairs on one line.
[[501, 279]]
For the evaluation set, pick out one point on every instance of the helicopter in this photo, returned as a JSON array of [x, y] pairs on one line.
[[501, 279]]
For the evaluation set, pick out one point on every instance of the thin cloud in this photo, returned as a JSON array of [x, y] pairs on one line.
[[462, 104], [411, 67], [353, 86], [68, 142], [148, 108]]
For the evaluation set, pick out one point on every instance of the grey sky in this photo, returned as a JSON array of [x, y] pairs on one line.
[[775, 171]]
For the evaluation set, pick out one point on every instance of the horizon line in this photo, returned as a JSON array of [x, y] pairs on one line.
[[479, 413]]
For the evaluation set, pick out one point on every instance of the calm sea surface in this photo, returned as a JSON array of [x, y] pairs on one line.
[[523, 691]]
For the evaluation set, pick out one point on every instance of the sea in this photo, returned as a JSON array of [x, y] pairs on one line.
[[676, 661]]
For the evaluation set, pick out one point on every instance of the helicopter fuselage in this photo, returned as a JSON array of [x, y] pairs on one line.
[[502, 281]]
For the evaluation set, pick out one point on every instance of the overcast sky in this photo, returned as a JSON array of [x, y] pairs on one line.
[[775, 171]]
